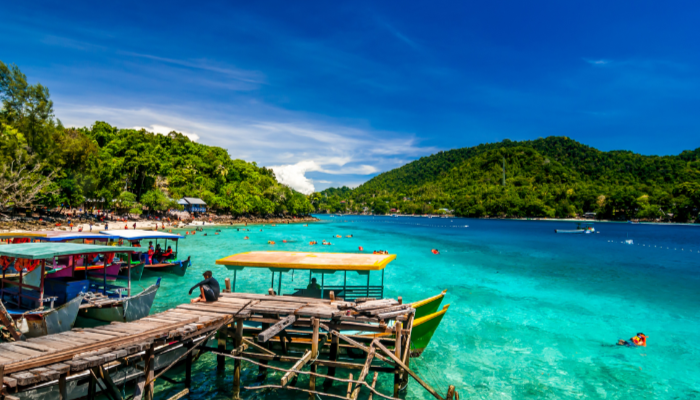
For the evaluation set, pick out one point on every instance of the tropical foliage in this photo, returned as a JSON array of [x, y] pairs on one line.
[[551, 177], [125, 169]]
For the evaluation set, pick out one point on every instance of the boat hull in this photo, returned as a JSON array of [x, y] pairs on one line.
[[423, 330], [57, 320], [136, 271], [128, 310], [178, 268], [428, 306]]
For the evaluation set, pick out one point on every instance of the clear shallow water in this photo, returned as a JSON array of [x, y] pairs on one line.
[[533, 314]]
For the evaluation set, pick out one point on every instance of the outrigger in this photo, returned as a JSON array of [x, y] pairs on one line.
[[44, 305], [427, 317], [135, 265], [152, 266]]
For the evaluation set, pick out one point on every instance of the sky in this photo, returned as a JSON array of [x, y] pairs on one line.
[[333, 93]]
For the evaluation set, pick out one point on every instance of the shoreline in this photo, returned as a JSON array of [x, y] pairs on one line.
[[44, 226], [526, 219]]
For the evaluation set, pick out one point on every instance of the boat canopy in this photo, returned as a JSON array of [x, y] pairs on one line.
[[54, 236], [40, 251], [288, 260], [136, 234]]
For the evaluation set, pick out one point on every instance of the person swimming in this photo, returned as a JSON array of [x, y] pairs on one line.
[[639, 340]]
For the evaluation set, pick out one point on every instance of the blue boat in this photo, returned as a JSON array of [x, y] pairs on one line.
[[153, 263]]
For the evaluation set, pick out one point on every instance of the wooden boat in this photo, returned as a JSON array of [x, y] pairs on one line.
[[427, 317], [136, 265], [580, 229], [84, 275], [170, 265]]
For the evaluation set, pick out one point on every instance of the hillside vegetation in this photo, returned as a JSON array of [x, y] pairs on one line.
[[551, 177], [45, 164]]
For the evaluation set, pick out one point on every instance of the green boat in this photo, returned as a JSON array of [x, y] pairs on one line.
[[427, 317], [120, 310]]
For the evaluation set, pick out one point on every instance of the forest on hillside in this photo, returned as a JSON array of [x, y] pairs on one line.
[[44, 164], [550, 177]]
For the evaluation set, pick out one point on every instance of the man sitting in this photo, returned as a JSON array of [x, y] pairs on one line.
[[208, 288], [314, 285]]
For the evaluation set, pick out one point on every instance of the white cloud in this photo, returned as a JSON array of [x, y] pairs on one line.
[[600, 62], [293, 143], [164, 130]]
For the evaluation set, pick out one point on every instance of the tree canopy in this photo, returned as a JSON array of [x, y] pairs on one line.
[[126, 168], [550, 177]]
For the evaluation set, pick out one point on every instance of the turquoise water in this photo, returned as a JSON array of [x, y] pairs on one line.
[[533, 314]]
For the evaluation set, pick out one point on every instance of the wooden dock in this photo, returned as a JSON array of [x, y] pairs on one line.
[[305, 333]]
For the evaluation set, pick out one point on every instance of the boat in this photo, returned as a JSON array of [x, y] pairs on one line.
[[427, 317], [584, 228], [81, 273], [135, 264], [170, 265]]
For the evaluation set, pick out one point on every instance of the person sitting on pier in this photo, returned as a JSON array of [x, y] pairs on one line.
[[208, 288], [314, 284]]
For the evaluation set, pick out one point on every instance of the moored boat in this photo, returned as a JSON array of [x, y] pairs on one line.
[[427, 317], [585, 228], [155, 262]]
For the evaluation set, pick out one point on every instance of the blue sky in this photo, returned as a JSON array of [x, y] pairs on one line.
[[332, 93]]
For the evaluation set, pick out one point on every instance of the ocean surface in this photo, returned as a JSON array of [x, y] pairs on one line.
[[533, 314]]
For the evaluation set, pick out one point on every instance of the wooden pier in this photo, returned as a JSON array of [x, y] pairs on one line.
[[300, 333]]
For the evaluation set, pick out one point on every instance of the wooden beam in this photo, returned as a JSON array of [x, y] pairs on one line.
[[265, 335], [363, 373], [354, 343], [450, 393], [264, 350], [413, 374], [374, 383], [299, 365], [314, 354], [238, 342], [10, 323]]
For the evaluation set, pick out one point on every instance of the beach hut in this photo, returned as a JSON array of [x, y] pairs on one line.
[[193, 204]]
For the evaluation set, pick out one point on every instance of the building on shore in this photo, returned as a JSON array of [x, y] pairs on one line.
[[193, 204]]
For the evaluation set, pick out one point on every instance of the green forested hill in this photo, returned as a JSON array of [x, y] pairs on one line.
[[42, 163], [551, 177]]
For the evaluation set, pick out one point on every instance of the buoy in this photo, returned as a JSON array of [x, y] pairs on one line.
[[245, 237], [284, 241], [435, 251], [361, 249]]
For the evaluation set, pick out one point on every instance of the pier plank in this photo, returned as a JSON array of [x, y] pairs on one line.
[[19, 350]]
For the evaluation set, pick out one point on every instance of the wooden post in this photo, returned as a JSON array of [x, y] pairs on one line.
[[188, 365], [335, 341], [402, 365], [149, 372], [221, 339], [92, 386], [62, 390], [262, 371], [314, 353], [363, 373], [331, 295], [9, 323], [397, 352], [238, 341], [374, 383], [450, 393], [227, 283], [349, 387]]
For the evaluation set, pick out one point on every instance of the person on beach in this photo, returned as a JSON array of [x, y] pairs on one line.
[[208, 289]]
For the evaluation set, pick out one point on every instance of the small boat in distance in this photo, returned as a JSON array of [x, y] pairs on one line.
[[586, 228]]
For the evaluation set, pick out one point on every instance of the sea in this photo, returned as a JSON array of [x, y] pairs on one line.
[[533, 314]]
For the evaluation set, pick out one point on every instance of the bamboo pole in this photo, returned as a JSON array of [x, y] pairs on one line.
[[397, 352], [314, 354], [374, 383], [238, 342], [347, 395], [363, 373], [413, 374]]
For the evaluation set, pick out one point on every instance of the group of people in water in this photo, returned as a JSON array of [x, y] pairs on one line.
[[380, 252]]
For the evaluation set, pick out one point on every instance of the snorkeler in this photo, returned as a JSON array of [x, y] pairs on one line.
[[640, 340]]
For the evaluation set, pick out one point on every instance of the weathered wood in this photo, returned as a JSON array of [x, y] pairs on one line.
[[392, 315], [221, 344], [264, 350], [181, 394], [20, 350], [371, 305], [385, 310], [413, 374], [239, 350], [295, 368], [353, 342], [62, 388], [45, 374], [374, 383], [227, 285], [238, 342], [60, 368], [397, 352], [450, 393], [149, 361], [9, 382], [9, 323], [328, 383], [25, 378], [268, 333], [315, 323], [363, 373], [34, 346], [347, 395], [111, 390]]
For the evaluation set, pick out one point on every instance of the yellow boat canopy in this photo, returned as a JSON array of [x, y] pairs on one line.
[[288, 260]]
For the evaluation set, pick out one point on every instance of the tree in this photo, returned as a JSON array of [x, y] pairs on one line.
[[22, 181]]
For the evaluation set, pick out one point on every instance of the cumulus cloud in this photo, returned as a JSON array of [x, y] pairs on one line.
[[293, 144], [599, 63], [164, 130]]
